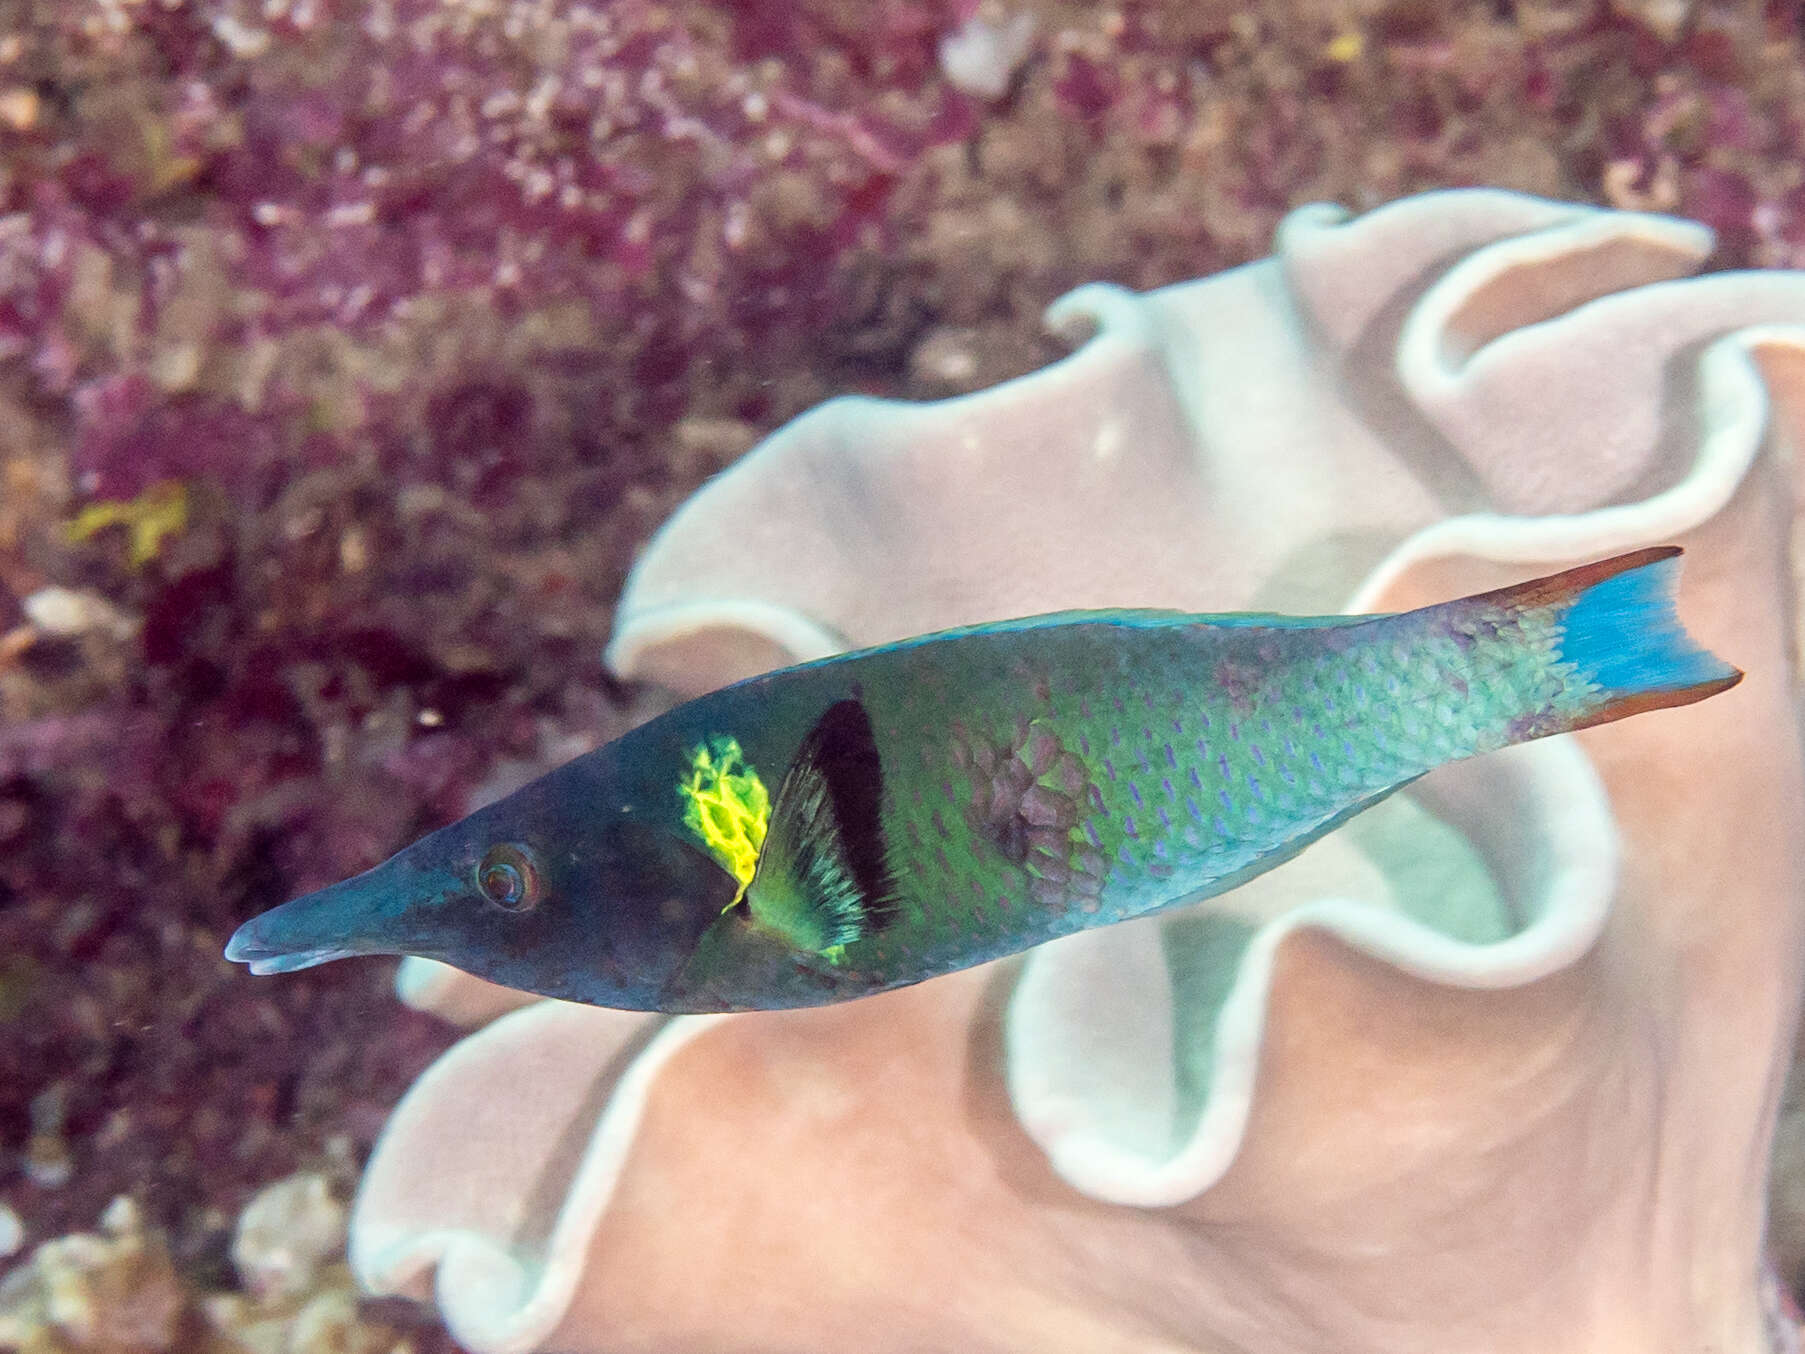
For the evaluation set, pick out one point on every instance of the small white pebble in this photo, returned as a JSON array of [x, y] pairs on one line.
[[19, 108], [47, 1162], [285, 1234], [12, 1232], [353, 551], [240, 38], [64, 612], [351, 214], [121, 1217], [981, 57], [1667, 18], [947, 357]]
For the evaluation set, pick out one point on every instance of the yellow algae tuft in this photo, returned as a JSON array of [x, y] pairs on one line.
[[726, 805], [161, 510]]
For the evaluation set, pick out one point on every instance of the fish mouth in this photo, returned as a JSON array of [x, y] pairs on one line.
[[356, 917], [263, 960]]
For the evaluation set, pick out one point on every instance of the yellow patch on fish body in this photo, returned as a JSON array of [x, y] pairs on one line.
[[726, 804]]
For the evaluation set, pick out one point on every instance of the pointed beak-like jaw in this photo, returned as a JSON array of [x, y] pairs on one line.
[[363, 915]]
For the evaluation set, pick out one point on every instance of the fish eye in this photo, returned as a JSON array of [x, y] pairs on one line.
[[506, 877]]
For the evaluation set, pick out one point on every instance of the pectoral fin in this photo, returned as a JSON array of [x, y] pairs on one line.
[[823, 880]]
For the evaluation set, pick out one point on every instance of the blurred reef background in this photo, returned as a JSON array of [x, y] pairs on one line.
[[349, 349]]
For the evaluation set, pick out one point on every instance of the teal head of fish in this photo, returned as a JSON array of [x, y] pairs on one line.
[[832, 830]]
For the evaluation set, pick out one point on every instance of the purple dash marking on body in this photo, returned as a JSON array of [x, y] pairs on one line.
[[1084, 708], [1253, 783], [1178, 727], [946, 789], [1196, 780], [1316, 731], [1134, 793], [1109, 768], [1221, 826], [1223, 799], [1315, 762], [1090, 830], [1115, 735], [1147, 701], [946, 865], [1096, 800], [939, 824], [1120, 708], [1128, 825], [1258, 756], [1159, 850], [1123, 856], [1165, 784], [1203, 718], [1165, 819], [914, 833], [1289, 775], [1234, 729], [1084, 746], [1203, 748], [1191, 809], [1347, 748], [1222, 765], [1171, 756]]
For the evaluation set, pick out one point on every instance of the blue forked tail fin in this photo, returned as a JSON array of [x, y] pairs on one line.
[[1617, 625]]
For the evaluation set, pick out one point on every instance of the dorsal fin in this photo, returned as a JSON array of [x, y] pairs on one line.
[[823, 879]]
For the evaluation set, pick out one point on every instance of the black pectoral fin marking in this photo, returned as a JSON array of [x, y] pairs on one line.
[[823, 879]]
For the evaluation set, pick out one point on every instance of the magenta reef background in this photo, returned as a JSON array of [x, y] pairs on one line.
[[350, 348]]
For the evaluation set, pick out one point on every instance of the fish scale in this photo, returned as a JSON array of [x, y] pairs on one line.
[[871, 820]]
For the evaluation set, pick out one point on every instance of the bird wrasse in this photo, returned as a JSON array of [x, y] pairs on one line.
[[836, 829]]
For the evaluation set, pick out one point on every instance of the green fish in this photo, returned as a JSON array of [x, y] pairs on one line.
[[840, 828]]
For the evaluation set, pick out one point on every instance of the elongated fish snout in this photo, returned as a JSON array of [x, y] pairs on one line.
[[339, 922]]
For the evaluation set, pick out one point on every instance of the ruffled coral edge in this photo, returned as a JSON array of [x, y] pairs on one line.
[[489, 1298], [1040, 1033], [1102, 317], [1574, 825]]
